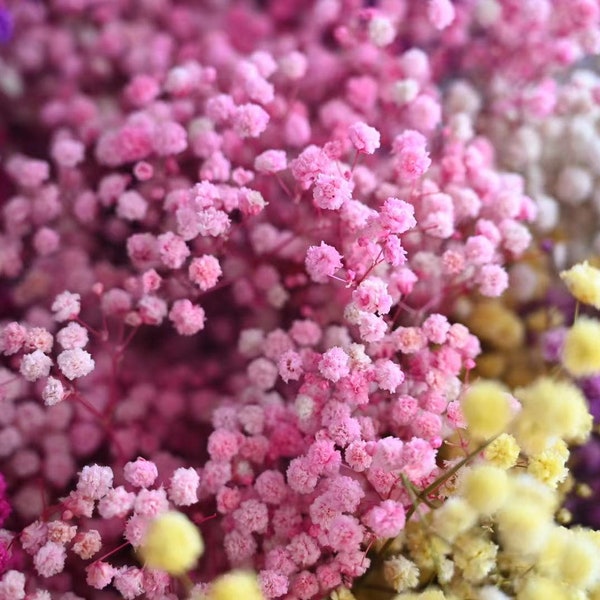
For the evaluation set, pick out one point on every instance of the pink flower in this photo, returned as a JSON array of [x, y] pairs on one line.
[[183, 490], [412, 158], [250, 120], [397, 215], [385, 520], [72, 336], [95, 481], [492, 280], [187, 318], [334, 364], [140, 473], [270, 161], [441, 13], [66, 306], [364, 138], [99, 574], [12, 338], [35, 365], [75, 363], [331, 191], [322, 262], [50, 559], [205, 271]]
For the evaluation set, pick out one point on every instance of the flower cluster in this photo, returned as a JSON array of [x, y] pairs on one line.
[[248, 259]]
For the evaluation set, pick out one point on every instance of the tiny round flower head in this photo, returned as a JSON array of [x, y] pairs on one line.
[[440, 13], [75, 363], [172, 543], [35, 365], [72, 336], [412, 157], [271, 161], [331, 191], [581, 350], [99, 574], [486, 408], [381, 31], [549, 466], [95, 481], [50, 559], [523, 528], [205, 271], [485, 488], [131, 206], [187, 318], [397, 216], [386, 520], [551, 409], [12, 338], [454, 517], [140, 472], [334, 364], [503, 452], [402, 573], [250, 120], [492, 280], [583, 281], [364, 138], [235, 586], [183, 490], [322, 262], [66, 306], [53, 391]]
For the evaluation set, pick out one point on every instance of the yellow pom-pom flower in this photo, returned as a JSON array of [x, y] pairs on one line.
[[172, 543], [551, 409], [581, 352], [486, 408], [540, 588], [503, 452], [523, 528], [454, 517], [571, 557], [495, 324], [485, 488], [583, 281], [236, 585], [549, 466]]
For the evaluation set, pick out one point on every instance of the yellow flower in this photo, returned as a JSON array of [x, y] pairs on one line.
[[583, 281], [528, 488], [549, 466], [486, 408], [475, 555], [503, 452], [551, 409], [454, 517], [401, 573], [572, 557], [540, 588], [485, 488], [581, 352], [172, 543], [236, 585], [523, 527], [495, 324]]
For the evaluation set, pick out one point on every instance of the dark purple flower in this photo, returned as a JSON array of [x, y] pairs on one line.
[[6, 25]]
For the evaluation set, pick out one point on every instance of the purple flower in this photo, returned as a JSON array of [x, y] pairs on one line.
[[6, 25]]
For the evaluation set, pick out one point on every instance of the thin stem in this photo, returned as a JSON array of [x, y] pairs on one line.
[[113, 551]]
